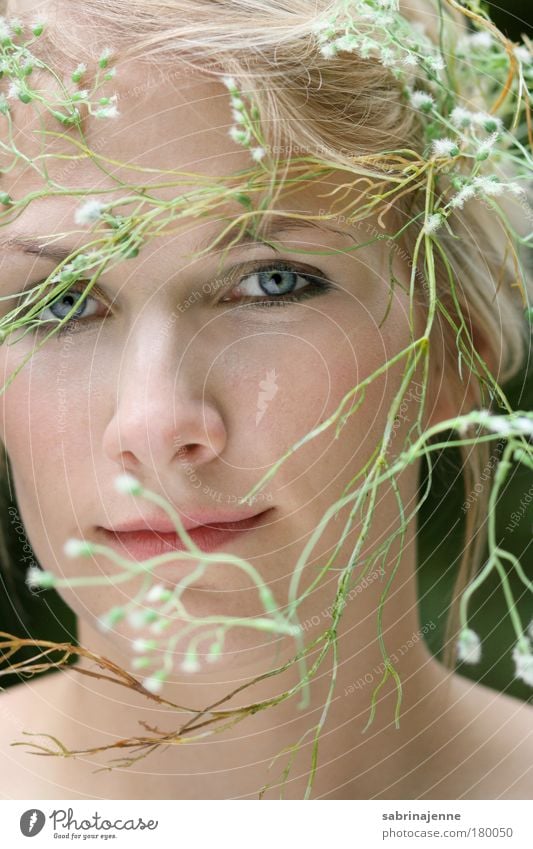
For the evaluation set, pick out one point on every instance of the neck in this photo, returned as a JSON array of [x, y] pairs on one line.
[[234, 762]]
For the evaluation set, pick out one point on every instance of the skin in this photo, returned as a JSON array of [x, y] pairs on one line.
[[156, 397]]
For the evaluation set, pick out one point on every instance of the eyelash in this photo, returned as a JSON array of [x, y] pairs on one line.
[[318, 285]]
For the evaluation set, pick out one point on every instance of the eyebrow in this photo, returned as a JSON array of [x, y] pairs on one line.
[[275, 225]]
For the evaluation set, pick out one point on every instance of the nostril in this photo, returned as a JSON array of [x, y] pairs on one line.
[[191, 453]]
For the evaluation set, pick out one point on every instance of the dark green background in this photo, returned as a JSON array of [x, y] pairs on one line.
[[44, 615]]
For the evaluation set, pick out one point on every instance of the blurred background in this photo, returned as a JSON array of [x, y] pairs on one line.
[[44, 615]]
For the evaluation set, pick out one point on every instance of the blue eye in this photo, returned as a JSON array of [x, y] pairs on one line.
[[276, 284], [61, 307]]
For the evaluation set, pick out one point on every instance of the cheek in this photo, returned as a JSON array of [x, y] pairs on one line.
[[44, 422]]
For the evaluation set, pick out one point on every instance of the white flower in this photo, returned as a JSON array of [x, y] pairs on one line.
[[140, 646], [88, 212], [107, 112], [436, 62], [258, 153], [422, 100], [36, 577], [239, 135], [458, 200], [469, 646], [328, 50], [526, 426], [488, 186], [154, 684], [445, 147], [190, 664], [433, 223], [14, 88], [38, 24], [485, 148], [461, 117], [128, 485], [136, 618], [78, 548], [387, 57], [347, 42], [157, 593], [522, 53], [410, 60], [480, 39], [523, 659], [5, 31], [489, 122], [230, 83]]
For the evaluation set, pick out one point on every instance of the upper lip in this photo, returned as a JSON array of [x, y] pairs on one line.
[[163, 525]]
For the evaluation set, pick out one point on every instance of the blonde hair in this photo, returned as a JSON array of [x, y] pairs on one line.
[[345, 105]]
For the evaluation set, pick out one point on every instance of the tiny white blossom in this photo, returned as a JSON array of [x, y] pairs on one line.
[[78, 548], [410, 60], [14, 88], [5, 30], [258, 153], [445, 147], [110, 111], [88, 212], [136, 618], [490, 123], [515, 189], [347, 42], [157, 593], [190, 664], [328, 50], [480, 39], [461, 117], [469, 646], [239, 135], [387, 57], [128, 485], [523, 54], [422, 100], [523, 658], [140, 646], [153, 684], [230, 83], [458, 200], [488, 186], [526, 426], [436, 62], [433, 223], [486, 146], [36, 577]]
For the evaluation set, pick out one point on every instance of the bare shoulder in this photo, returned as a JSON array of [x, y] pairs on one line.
[[496, 737], [29, 708]]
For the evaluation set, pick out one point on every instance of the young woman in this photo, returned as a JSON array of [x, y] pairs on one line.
[[299, 271]]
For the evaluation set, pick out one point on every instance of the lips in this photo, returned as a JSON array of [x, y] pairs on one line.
[[142, 544]]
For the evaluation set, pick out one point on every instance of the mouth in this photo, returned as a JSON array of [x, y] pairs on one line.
[[145, 544]]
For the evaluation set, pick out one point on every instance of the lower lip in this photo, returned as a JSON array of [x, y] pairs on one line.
[[142, 545]]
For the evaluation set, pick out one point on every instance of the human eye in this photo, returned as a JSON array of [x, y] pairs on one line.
[[277, 283], [89, 308]]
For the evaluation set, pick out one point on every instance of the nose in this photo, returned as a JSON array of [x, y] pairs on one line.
[[162, 418]]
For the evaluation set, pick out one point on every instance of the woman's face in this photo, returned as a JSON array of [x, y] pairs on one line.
[[169, 374]]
